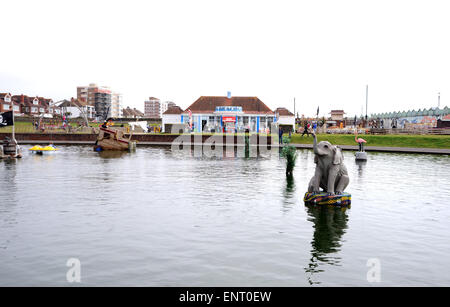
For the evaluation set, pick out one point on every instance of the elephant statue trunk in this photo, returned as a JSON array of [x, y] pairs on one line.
[[314, 143]]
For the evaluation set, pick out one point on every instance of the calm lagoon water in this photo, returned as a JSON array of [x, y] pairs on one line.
[[155, 218]]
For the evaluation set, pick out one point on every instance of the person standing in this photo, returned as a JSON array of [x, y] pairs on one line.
[[280, 135]]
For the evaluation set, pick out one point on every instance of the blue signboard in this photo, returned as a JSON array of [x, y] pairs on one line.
[[229, 109]]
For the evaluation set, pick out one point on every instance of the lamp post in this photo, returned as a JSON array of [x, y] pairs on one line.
[[367, 94]]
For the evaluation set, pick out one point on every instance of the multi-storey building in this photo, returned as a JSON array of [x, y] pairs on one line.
[[154, 108], [97, 96], [116, 104]]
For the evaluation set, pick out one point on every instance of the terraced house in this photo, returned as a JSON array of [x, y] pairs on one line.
[[24, 105]]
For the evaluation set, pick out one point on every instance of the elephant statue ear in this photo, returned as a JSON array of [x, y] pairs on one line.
[[338, 157]]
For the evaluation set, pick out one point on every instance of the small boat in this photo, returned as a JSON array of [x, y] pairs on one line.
[[113, 139], [40, 150], [9, 149]]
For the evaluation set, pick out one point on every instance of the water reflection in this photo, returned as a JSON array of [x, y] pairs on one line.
[[330, 224], [289, 193], [112, 154], [361, 165]]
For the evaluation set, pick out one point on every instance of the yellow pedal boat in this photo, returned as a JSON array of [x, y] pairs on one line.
[[40, 149]]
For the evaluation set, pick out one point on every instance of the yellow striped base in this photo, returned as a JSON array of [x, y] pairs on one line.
[[323, 198]]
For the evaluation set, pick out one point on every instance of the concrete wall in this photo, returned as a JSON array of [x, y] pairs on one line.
[[61, 138]]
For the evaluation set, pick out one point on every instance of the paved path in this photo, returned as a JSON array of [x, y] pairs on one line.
[[299, 146]]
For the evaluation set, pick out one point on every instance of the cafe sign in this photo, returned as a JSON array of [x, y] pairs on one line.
[[229, 109]]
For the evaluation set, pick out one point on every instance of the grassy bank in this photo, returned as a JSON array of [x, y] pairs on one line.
[[414, 141]]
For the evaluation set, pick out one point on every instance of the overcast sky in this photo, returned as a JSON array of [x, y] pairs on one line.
[[323, 53]]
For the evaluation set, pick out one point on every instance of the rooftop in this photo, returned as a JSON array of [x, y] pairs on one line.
[[283, 112], [174, 110]]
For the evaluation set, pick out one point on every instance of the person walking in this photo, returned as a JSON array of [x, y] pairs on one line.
[[305, 129]]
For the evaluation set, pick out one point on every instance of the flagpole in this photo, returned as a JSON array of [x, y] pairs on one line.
[[13, 127]]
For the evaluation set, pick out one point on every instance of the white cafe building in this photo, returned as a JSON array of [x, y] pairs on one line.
[[223, 114]]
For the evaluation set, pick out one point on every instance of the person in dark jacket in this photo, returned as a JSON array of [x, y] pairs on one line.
[[280, 135], [306, 129]]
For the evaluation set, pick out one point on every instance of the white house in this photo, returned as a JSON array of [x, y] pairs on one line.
[[74, 108], [285, 119], [170, 118]]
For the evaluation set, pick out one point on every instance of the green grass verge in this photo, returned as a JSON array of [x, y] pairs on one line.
[[390, 140]]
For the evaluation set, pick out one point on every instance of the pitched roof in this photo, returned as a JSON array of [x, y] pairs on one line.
[[129, 112], [283, 112], [208, 104], [73, 103], [137, 112], [174, 110]]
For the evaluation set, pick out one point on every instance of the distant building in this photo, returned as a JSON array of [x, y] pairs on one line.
[[154, 107], [75, 108], [132, 113], [116, 105], [426, 118], [165, 106], [7, 103], [337, 115], [171, 119], [97, 96], [24, 105], [285, 119]]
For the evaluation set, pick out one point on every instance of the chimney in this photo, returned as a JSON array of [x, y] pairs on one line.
[[229, 95]]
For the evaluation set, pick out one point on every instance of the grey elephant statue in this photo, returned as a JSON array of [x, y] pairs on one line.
[[331, 174]]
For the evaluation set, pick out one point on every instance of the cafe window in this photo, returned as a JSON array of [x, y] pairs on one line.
[[6, 107]]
